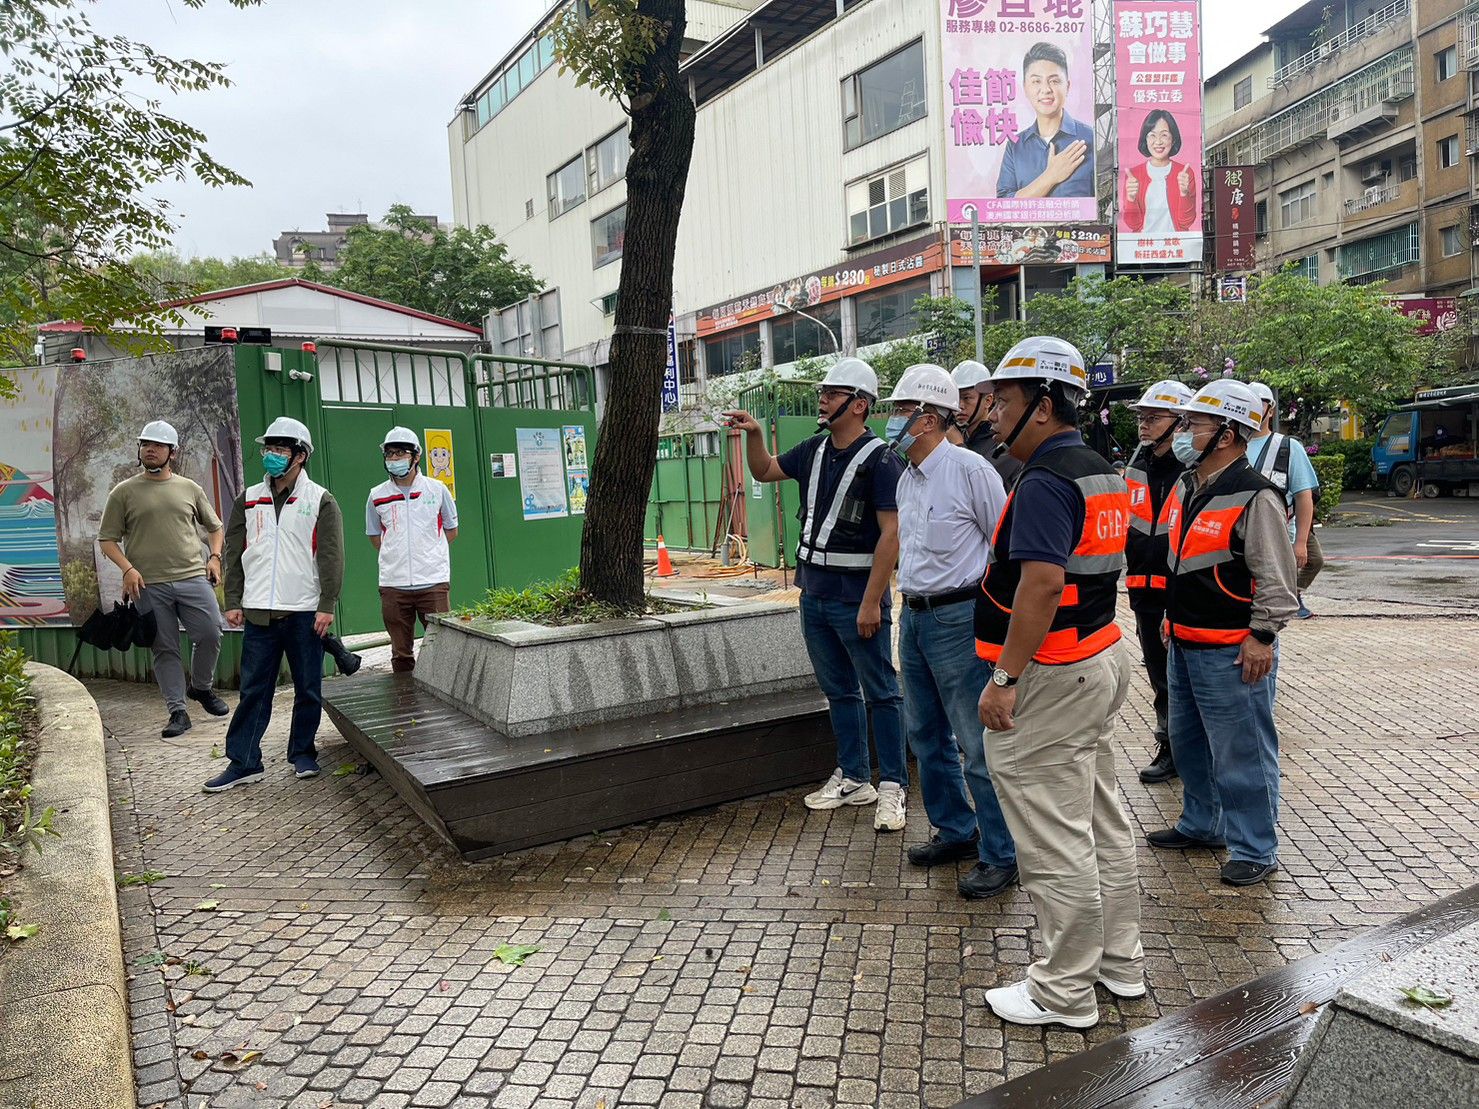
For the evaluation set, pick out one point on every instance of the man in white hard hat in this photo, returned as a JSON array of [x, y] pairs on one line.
[[1284, 460], [1152, 471], [410, 518], [949, 502], [1046, 621], [1231, 592], [151, 530], [284, 570], [848, 544], [973, 430]]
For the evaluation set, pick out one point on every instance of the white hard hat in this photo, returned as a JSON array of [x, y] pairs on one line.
[[1044, 358], [158, 431], [401, 436], [1262, 392], [285, 427], [853, 373], [1231, 400], [970, 375], [1164, 394], [927, 384]]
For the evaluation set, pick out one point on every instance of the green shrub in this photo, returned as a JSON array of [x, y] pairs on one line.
[[1330, 469], [1357, 455], [16, 712], [554, 603]]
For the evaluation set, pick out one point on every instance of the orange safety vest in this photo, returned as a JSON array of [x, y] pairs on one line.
[[1146, 550], [1084, 622], [1209, 601]]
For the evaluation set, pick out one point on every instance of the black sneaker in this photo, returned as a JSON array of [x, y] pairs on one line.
[[936, 852], [986, 880], [1246, 874], [210, 701], [1162, 768], [1171, 839], [179, 724]]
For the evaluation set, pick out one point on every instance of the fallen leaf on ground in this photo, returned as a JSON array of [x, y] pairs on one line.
[[216, 753], [218, 885], [1427, 998], [969, 951], [1386, 956], [199, 1056], [664, 915], [233, 1061], [261, 1087], [152, 959], [17, 932], [1309, 1007], [346, 770], [444, 985], [514, 954], [208, 906]]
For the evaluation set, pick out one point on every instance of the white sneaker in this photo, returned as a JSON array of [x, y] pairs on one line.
[[1127, 991], [1015, 1004], [889, 816], [838, 791]]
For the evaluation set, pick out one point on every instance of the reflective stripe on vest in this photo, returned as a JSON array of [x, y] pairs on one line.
[[1210, 599], [1083, 624], [812, 549], [1141, 517]]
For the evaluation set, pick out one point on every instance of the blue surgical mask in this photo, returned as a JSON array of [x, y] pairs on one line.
[[1183, 448], [398, 467], [897, 435], [276, 464]]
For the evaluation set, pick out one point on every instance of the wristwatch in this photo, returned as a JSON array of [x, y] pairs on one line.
[[1263, 635], [1001, 678]]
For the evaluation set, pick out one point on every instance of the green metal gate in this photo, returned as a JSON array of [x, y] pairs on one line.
[[687, 495]]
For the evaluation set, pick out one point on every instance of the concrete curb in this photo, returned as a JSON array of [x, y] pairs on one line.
[[64, 1039]]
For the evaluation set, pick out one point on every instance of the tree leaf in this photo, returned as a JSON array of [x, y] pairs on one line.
[[17, 932], [208, 906], [511, 954], [346, 770]]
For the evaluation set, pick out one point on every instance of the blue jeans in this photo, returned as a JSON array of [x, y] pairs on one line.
[[262, 652], [943, 679], [1227, 751], [851, 671]]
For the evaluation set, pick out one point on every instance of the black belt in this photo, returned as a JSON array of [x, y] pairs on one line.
[[940, 600]]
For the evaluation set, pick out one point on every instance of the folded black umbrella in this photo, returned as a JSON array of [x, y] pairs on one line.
[[120, 629]]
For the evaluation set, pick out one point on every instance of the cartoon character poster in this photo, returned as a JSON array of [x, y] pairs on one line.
[[439, 460]]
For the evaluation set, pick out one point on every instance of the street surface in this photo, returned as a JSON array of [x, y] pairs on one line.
[[756, 954]]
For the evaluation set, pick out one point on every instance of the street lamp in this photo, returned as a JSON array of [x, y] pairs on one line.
[[778, 309], [975, 216]]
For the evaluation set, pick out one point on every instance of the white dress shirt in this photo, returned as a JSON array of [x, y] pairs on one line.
[[948, 508]]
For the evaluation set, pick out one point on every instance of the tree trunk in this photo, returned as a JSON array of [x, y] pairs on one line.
[[626, 448]]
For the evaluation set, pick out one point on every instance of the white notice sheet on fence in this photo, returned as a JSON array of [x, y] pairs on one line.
[[541, 473]]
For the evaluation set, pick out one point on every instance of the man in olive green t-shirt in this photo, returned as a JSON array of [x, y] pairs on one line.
[[151, 530]]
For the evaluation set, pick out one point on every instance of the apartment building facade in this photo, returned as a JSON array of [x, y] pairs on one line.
[[1362, 118]]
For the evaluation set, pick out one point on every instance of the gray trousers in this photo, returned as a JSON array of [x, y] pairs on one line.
[[192, 603]]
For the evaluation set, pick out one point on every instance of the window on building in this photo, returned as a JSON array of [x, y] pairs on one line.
[[1453, 241], [1448, 151], [1243, 93], [1407, 168], [1309, 266], [515, 79], [889, 202], [1371, 259], [733, 351], [889, 94], [1447, 63], [888, 313], [606, 162], [1297, 205], [607, 304], [1327, 180], [608, 233], [793, 336], [1260, 217], [566, 187]]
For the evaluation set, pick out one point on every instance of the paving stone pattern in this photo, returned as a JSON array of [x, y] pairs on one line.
[[756, 954]]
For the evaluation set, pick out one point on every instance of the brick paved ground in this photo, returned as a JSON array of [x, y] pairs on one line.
[[756, 954]]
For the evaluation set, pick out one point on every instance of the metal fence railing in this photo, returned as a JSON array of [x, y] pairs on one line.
[[1392, 13]]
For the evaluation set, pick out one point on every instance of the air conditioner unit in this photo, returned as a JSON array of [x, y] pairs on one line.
[[1373, 173], [1373, 194]]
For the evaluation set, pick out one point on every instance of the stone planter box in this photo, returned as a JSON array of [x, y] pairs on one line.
[[524, 679]]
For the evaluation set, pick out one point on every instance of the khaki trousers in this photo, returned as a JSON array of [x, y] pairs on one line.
[[1054, 775]]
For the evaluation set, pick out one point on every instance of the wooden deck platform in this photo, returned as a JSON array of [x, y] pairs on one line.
[[488, 793], [1233, 1051]]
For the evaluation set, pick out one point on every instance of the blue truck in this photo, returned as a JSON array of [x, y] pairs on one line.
[[1430, 444]]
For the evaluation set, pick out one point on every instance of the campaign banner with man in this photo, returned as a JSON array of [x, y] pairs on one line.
[[1158, 100], [1019, 107]]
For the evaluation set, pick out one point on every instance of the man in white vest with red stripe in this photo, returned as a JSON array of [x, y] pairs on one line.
[[410, 518], [284, 570]]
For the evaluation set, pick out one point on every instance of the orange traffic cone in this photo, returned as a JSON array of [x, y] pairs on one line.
[[664, 563]]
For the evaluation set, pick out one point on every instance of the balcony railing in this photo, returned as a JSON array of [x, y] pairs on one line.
[[1472, 146], [1372, 259], [1468, 36], [1387, 79], [1377, 194], [1392, 13]]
